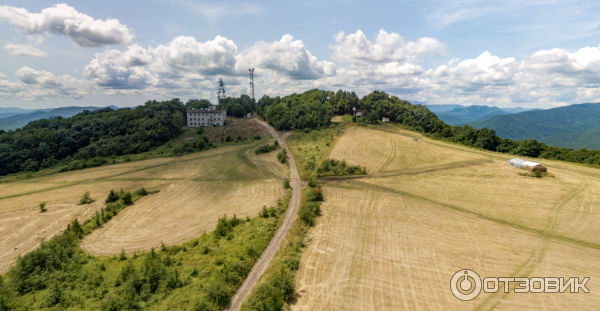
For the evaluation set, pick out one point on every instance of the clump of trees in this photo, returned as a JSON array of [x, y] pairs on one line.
[[339, 167], [267, 148], [238, 106]]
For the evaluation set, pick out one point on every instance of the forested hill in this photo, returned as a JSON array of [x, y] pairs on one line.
[[90, 135], [575, 126], [464, 115], [19, 120], [314, 109]]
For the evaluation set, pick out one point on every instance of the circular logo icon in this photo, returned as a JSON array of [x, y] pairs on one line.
[[465, 285]]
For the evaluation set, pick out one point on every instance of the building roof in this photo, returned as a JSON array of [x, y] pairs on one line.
[[204, 111], [517, 162]]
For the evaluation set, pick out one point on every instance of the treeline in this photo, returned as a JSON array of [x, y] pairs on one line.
[[315, 108], [238, 106]]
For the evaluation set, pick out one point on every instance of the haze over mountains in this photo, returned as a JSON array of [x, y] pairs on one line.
[[460, 115], [13, 118], [575, 126]]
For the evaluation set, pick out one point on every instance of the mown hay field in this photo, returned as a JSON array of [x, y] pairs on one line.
[[195, 190], [393, 239]]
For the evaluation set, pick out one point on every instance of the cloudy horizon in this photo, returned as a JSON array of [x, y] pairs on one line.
[[505, 54]]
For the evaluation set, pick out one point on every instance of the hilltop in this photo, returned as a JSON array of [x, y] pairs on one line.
[[13, 118]]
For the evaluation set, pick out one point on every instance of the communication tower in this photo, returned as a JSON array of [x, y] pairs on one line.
[[221, 93], [251, 82]]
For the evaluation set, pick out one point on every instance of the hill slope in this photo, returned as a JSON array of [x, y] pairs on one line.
[[464, 115], [574, 126], [21, 119]]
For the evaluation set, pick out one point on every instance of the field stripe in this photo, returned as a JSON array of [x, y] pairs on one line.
[[539, 232], [430, 169]]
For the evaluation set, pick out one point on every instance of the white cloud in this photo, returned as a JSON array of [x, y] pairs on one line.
[[24, 50], [286, 57], [120, 70], [39, 84], [185, 54], [61, 19], [388, 47]]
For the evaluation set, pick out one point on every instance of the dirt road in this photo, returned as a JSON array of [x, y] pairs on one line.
[[266, 257]]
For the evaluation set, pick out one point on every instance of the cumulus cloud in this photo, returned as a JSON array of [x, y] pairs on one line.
[[185, 54], [120, 70], [287, 57], [24, 50], [61, 19], [388, 47], [39, 84]]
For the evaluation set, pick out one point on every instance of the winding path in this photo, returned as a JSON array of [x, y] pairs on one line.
[[265, 258]]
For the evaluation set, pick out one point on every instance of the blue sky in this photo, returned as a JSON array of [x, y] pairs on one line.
[[504, 53]]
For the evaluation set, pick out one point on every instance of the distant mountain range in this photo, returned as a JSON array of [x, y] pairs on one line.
[[460, 115], [13, 118], [575, 126]]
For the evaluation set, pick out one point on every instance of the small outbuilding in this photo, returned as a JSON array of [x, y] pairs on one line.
[[385, 120], [359, 113], [527, 165], [249, 115]]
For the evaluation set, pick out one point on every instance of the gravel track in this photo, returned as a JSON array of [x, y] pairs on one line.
[[265, 259]]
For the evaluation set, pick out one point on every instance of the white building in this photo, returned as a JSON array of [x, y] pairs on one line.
[[206, 117]]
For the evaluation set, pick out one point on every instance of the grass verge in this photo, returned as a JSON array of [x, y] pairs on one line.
[[276, 288]]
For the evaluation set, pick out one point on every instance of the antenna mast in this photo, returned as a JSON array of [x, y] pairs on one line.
[[221, 93], [251, 82]]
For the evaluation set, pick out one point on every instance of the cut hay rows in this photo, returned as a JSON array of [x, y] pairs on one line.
[[393, 240], [195, 190], [383, 151]]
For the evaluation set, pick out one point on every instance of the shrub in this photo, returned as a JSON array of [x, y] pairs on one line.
[[200, 131], [126, 198], [286, 183], [267, 297], [257, 137], [314, 195], [308, 212], [312, 182], [266, 148], [239, 138], [112, 197], [142, 192], [122, 256], [85, 198], [228, 139], [43, 206], [353, 118], [282, 157], [218, 293]]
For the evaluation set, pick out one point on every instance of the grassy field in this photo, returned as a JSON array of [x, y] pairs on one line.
[[310, 148], [392, 239], [195, 189]]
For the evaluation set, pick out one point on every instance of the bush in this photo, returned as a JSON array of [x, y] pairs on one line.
[[308, 212], [126, 198], [266, 148], [112, 197], [267, 297], [142, 192], [312, 182], [286, 183], [43, 206], [218, 293], [228, 139], [315, 195], [85, 198], [282, 157], [257, 137], [200, 131]]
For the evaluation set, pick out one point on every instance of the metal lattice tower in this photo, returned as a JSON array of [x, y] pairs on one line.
[[251, 82], [221, 93]]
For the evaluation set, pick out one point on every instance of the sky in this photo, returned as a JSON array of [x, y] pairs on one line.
[[536, 54]]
